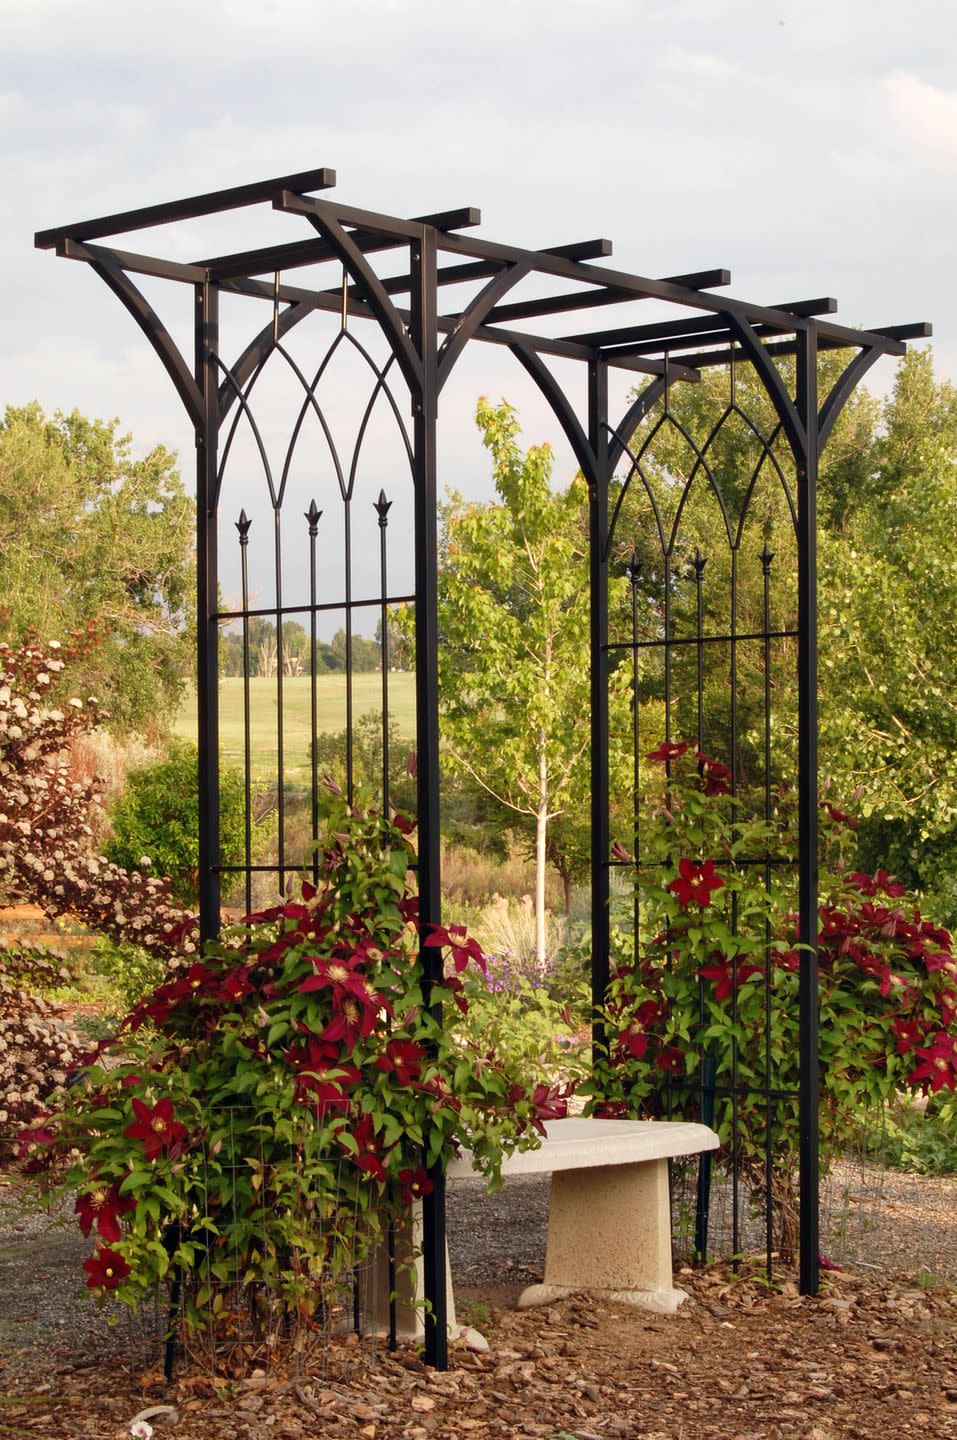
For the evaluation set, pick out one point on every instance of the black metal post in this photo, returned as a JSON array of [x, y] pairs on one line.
[[207, 628], [598, 580], [424, 335], [806, 402]]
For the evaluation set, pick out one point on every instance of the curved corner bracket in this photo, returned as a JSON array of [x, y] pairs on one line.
[[474, 314], [620, 436], [156, 333], [842, 390], [257, 352], [561, 408], [773, 384], [377, 297]]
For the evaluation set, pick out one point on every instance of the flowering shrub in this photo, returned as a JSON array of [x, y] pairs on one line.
[[36, 1048], [717, 970], [262, 1109], [47, 851]]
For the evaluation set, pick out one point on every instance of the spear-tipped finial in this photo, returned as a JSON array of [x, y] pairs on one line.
[[698, 563], [633, 568], [313, 515], [382, 507], [242, 525], [766, 557]]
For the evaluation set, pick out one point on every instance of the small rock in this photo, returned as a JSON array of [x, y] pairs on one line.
[[422, 1403], [157, 1415]]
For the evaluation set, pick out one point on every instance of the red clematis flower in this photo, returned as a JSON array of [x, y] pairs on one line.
[[102, 1207], [714, 775], [343, 976], [632, 1042], [236, 985], [838, 816], [106, 1269], [157, 1129], [668, 750], [549, 1102], [456, 937], [369, 1156], [938, 1067], [414, 1184], [37, 1134], [695, 881], [404, 1058], [726, 977], [909, 1034], [671, 1059]]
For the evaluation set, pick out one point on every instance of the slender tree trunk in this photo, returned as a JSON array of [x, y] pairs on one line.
[[567, 893], [541, 840]]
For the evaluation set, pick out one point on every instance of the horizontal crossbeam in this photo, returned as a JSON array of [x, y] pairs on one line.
[[213, 203]]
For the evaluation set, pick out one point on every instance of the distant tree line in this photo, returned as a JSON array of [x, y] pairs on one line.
[[296, 657]]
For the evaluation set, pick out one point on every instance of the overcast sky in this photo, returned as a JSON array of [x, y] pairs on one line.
[[809, 147]]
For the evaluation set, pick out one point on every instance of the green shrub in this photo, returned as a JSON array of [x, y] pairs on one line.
[[155, 821]]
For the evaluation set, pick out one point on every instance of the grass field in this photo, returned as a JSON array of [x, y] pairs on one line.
[[296, 702]]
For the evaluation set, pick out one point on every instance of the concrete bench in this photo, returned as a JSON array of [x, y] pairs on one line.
[[609, 1216]]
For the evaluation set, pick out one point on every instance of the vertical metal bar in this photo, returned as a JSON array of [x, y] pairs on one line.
[[280, 729], [698, 563], [806, 401], [598, 587], [766, 557], [350, 777], [424, 335], [313, 515], [382, 508], [735, 1099], [634, 575], [242, 525], [206, 337]]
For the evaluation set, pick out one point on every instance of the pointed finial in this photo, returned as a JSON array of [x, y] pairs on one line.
[[633, 569], [242, 525], [698, 563], [766, 557], [313, 515], [382, 507]]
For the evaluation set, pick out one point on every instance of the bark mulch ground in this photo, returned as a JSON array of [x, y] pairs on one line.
[[871, 1358]]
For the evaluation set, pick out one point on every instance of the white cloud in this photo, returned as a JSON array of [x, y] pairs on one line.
[[679, 61], [927, 114]]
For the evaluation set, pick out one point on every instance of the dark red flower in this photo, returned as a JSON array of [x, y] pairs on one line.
[[909, 1034], [404, 1058], [727, 976], [668, 750], [414, 1184], [633, 1042], [671, 1059], [368, 1155], [106, 1269], [403, 824], [549, 1102], [35, 1135], [714, 775], [938, 1067], [236, 984], [619, 852], [102, 1206], [695, 881], [838, 816], [463, 949], [156, 1127]]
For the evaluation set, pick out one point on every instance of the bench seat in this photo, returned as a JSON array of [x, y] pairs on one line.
[[609, 1213]]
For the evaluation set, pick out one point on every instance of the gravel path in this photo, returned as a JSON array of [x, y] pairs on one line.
[[875, 1221]]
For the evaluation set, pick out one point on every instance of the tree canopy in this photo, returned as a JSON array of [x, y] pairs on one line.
[[90, 534]]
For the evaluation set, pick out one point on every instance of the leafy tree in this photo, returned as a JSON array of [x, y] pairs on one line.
[[366, 653], [157, 816], [87, 533], [513, 642]]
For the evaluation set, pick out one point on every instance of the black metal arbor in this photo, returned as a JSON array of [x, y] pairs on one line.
[[418, 347]]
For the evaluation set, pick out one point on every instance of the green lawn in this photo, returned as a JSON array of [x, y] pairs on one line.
[[296, 699]]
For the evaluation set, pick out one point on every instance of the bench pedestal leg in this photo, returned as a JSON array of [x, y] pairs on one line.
[[409, 1287], [609, 1233]]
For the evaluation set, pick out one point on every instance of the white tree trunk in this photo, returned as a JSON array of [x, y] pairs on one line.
[[541, 835]]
